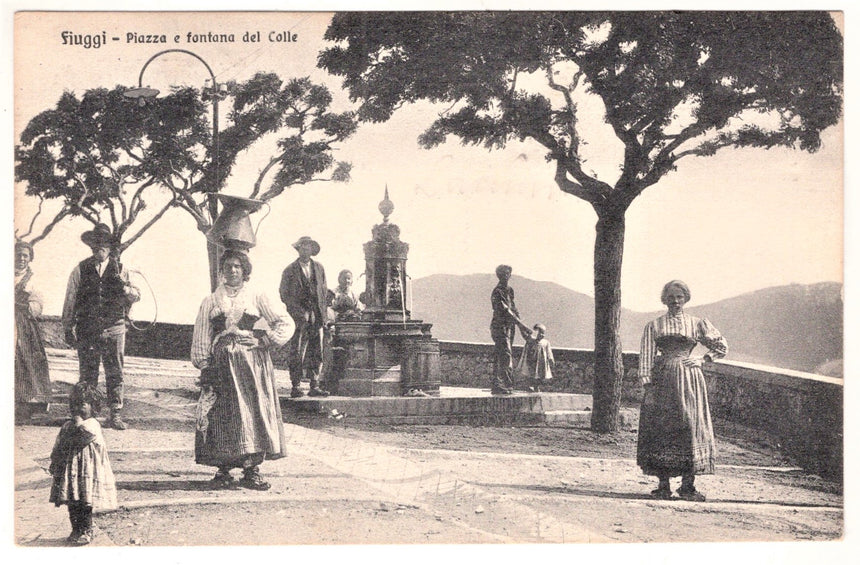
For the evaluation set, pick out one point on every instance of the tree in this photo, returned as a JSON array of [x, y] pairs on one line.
[[106, 158], [88, 154], [673, 85]]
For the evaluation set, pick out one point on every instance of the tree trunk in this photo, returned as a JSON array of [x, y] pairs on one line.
[[608, 366]]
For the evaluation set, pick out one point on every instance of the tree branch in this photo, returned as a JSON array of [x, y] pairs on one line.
[[111, 209], [33, 220], [273, 192], [90, 213], [139, 192], [137, 205], [513, 87], [571, 107], [131, 153], [686, 134], [577, 189], [664, 165], [263, 173], [47, 229], [701, 151], [148, 224], [125, 213], [184, 201]]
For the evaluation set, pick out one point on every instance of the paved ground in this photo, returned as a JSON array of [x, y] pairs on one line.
[[364, 485]]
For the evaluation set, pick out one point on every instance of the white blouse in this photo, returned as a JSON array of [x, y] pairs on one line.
[[252, 302]]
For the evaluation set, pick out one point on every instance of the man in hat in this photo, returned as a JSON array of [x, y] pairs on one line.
[[95, 312], [303, 290]]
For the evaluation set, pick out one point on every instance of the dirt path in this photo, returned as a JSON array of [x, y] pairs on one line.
[[346, 485]]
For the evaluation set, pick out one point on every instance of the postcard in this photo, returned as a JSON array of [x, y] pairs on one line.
[[428, 278]]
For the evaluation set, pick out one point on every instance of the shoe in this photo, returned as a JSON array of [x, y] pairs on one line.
[[296, 392], [223, 480], [73, 537], [317, 391], [116, 422], [252, 480], [690, 494], [85, 538], [661, 493]]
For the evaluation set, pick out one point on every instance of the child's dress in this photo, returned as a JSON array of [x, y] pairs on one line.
[[536, 361], [81, 468]]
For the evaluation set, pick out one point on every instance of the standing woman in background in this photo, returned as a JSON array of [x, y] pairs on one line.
[[32, 385], [676, 436]]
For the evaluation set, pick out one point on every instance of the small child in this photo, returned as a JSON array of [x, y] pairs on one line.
[[343, 300], [81, 471], [537, 362]]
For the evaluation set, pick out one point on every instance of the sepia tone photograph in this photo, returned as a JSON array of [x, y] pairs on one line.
[[483, 278]]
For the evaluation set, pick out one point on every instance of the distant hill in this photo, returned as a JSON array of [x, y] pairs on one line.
[[794, 327]]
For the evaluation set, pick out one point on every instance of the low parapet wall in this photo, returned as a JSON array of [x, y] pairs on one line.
[[804, 411], [159, 341], [471, 364]]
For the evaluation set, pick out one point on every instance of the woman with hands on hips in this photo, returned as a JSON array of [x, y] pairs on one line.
[[676, 436], [242, 427]]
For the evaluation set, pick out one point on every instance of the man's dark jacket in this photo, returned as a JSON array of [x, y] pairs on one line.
[[303, 297]]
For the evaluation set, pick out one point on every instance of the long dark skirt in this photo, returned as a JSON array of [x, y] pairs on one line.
[[676, 435], [32, 384], [246, 416]]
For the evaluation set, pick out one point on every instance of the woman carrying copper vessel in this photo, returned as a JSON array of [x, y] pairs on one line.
[[676, 436], [239, 421], [32, 384]]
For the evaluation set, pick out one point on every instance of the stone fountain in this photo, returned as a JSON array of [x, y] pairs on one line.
[[385, 352]]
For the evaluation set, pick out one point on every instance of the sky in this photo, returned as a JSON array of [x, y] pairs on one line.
[[727, 225]]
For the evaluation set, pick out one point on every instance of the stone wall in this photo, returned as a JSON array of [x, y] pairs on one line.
[[160, 340], [804, 410], [471, 365]]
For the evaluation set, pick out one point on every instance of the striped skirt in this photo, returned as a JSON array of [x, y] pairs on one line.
[[245, 418], [32, 384], [676, 435]]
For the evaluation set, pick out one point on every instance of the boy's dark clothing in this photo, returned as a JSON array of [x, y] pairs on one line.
[[502, 330]]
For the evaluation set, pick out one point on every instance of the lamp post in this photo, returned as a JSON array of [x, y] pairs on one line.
[[142, 93]]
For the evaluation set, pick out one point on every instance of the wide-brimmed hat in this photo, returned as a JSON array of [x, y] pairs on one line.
[[307, 239], [100, 236]]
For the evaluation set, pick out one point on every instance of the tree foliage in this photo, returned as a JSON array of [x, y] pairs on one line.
[[672, 85], [104, 156]]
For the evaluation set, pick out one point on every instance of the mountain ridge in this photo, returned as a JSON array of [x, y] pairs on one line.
[[761, 326]]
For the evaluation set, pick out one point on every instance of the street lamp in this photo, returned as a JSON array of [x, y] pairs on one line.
[[142, 93]]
